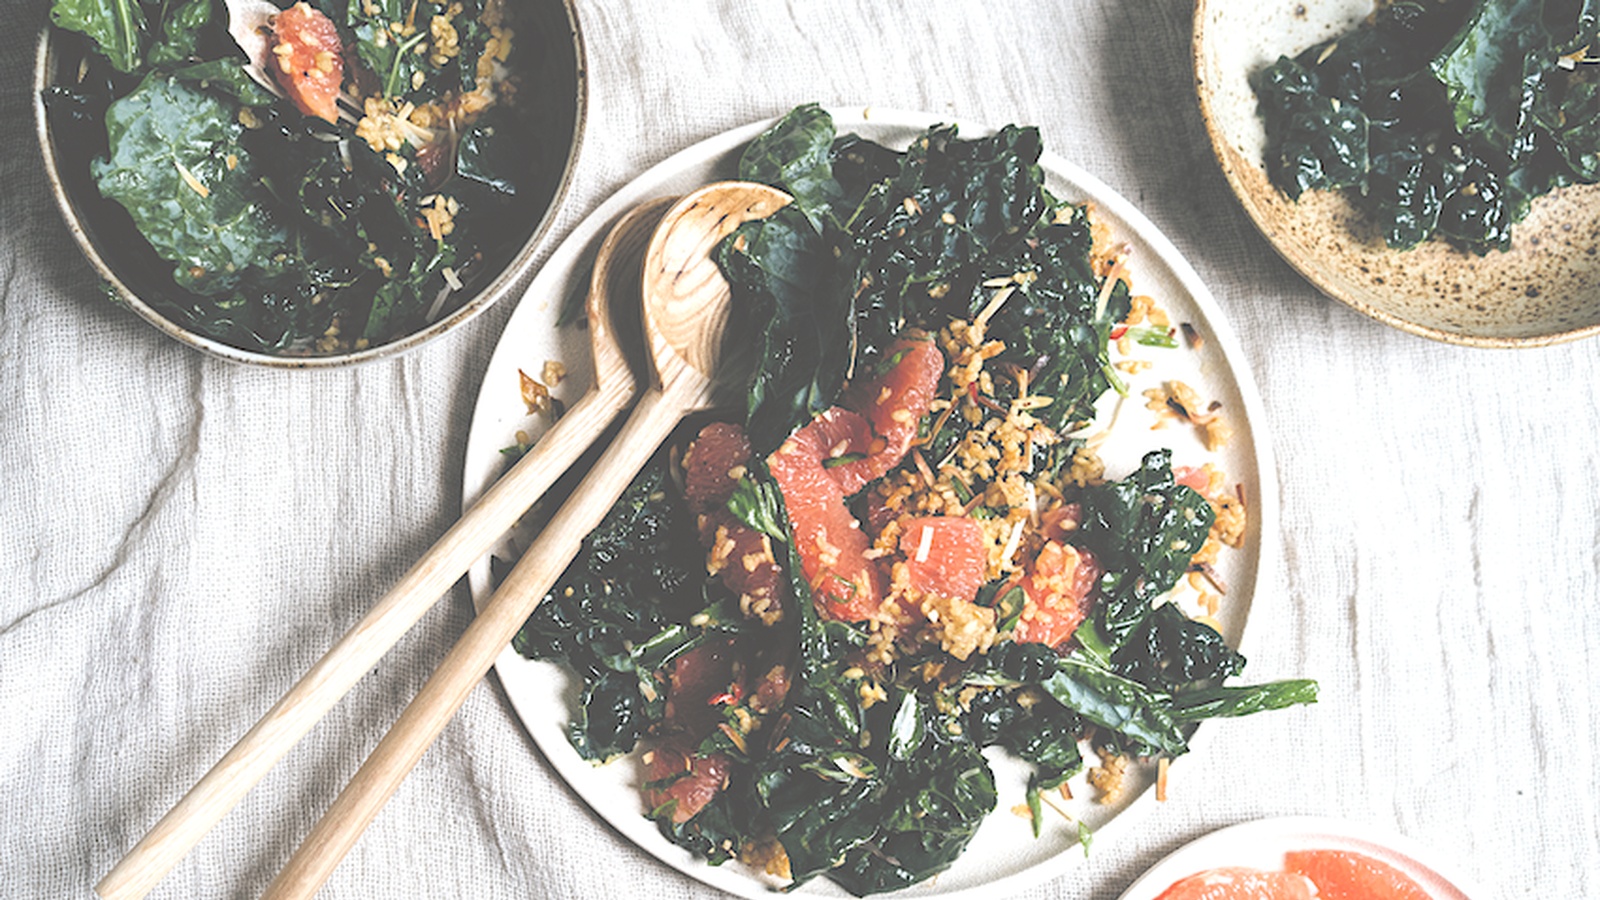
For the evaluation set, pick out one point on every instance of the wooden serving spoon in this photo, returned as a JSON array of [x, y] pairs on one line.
[[614, 343], [686, 306]]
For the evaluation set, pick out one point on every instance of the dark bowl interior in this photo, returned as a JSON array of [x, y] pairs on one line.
[[549, 60]]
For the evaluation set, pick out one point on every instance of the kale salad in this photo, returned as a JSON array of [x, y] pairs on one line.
[[1441, 117], [817, 620], [344, 199]]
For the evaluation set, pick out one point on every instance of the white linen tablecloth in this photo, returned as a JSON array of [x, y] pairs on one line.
[[181, 538]]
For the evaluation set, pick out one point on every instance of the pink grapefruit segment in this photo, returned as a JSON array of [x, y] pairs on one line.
[[1240, 883], [1345, 875], [946, 555], [1058, 584], [831, 544], [837, 454], [307, 60], [680, 784]]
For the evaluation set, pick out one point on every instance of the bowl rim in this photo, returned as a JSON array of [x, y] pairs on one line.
[[520, 263], [1236, 186]]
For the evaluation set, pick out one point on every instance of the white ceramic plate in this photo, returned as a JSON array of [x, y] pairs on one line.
[[1262, 843], [1004, 856]]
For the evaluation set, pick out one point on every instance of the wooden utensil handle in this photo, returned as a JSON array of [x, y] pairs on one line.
[[339, 828], [364, 645]]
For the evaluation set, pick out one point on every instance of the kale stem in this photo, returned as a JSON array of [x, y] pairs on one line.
[[400, 54], [126, 31], [1111, 376]]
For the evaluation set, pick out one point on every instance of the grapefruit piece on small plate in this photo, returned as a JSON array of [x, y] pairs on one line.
[[1270, 859]]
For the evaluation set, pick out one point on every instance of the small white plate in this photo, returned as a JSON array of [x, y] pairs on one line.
[[1004, 856], [1261, 844]]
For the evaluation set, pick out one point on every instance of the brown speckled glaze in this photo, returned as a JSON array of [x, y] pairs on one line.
[[1544, 290], [552, 42]]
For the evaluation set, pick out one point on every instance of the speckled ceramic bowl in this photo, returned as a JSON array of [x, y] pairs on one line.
[[549, 40], [1544, 290]]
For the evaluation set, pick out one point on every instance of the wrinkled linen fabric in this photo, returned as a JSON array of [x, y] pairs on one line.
[[181, 538]]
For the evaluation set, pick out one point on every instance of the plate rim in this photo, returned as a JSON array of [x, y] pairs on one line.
[[1236, 186], [555, 274]]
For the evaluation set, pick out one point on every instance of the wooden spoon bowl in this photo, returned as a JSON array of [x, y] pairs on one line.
[[686, 299]]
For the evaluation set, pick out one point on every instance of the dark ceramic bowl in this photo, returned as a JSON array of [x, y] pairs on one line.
[[549, 55]]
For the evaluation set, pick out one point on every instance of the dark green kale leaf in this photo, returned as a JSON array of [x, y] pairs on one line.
[[1317, 143], [939, 788], [1038, 729], [492, 149], [1491, 70], [858, 164], [178, 167], [611, 609], [757, 502], [924, 234], [117, 28], [1050, 325], [1217, 701], [1171, 651], [1468, 117], [796, 156], [1144, 529], [1084, 689], [1481, 218], [182, 26], [1117, 704], [782, 278], [1570, 112], [227, 77]]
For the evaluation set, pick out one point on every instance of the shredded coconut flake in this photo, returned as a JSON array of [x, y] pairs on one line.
[[189, 179], [1012, 542]]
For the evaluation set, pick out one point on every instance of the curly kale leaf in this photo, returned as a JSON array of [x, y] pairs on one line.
[[923, 235], [1144, 529], [796, 156], [178, 168], [1051, 326], [606, 616], [781, 275]]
